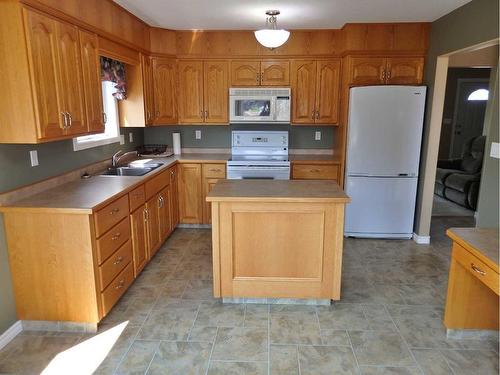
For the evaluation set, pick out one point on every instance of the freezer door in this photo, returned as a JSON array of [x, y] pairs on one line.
[[380, 207], [385, 130]]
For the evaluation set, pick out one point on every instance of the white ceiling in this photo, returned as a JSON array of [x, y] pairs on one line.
[[295, 14]]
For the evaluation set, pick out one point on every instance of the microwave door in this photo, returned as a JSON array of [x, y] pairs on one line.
[[251, 109]]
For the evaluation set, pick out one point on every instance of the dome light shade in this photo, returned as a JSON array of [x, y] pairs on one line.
[[272, 38], [480, 94]]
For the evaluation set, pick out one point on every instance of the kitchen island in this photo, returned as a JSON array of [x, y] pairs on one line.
[[277, 239]]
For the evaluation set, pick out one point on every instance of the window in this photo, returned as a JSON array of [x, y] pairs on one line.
[[480, 94], [112, 127]]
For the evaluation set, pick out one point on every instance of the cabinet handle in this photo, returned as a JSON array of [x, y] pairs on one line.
[[70, 119], [257, 78], [120, 285], [104, 118], [317, 115], [65, 120], [313, 113], [116, 236], [214, 170], [383, 75], [145, 214], [388, 74], [148, 115], [477, 269], [160, 201], [206, 115], [114, 211], [157, 114], [118, 260]]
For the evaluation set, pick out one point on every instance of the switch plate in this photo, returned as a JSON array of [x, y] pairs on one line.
[[122, 139], [197, 134], [131, 137], [317, 136], [34, 158], [495, 150]]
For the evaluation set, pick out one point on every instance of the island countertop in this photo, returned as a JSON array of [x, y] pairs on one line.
[[277, 191]]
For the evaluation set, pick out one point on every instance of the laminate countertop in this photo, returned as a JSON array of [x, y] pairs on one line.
[[277, 191], [483, 243]]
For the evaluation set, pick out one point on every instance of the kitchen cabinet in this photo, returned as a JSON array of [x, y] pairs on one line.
[[139, 228], [164, 213], [164, 88], [203, 92], [190, 193], [174, 196], [211, 173], [148, 87], [385, 70], [315, 172], [260, 73], [315, 91]]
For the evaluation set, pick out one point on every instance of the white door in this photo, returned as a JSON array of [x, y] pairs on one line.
[[380, 207], [385, 130]]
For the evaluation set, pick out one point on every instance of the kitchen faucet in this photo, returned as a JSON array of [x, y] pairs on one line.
[[115, 159]]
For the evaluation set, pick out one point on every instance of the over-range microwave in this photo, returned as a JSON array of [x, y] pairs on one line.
[[270, 105]]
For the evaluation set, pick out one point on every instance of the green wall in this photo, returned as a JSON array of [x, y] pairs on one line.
[[471, 24], [220, 136], [55, 158]]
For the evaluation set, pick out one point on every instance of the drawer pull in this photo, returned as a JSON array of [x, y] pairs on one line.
[[116, 236], [315, 170], [118, 260], [214, 170], [120, 285], [114, 211], [477, 269]]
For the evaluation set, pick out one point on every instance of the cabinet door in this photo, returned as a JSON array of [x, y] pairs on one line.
[[42, 47], [190, 91], [405, 70], [164, 77], [70, 71], [153, 217], [245, 73], [275, 73], [216, 91], [303, 91], [208, 184], [367, 70], [174, 197], [190, 194], [327, 92], [148, 87], [165, 213], [138, 225], [91, 72]]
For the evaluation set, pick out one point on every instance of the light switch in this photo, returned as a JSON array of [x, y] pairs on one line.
[[122, 139], [317, 136], [34, 158], [131, 137], [495, 150], [197, 134]]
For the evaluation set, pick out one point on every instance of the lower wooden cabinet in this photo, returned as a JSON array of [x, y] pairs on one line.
[[190, 194], [139, 229], [211, 173], [174, 196]]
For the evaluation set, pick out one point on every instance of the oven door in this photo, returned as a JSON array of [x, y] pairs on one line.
[[252, 109], [246, 172]]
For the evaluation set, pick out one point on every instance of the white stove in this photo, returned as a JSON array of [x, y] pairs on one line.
[[259, 155]]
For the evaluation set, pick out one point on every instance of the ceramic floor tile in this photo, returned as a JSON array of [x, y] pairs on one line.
[[378, 317], [431, 362], [241, 344], [138, 358], [256, 315], [335, 337], [293, 314], [380, 348], [237, 368], [203, 334], [284, 360], [342, 316], [217, 314], [199, 289], [464, 362], [288, 332], [327, 360], [173, 289], [372, 370], [181, 358]]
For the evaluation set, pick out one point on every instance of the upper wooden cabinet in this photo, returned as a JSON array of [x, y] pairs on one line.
[[55, 91], [148, 89], [385, 70], [203, 91], [260, 73], [315, 91], [164, 82]]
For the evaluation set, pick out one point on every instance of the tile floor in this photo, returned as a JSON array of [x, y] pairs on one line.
[[389, 321]]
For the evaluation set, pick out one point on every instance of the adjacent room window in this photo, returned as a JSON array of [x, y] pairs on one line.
[[480, 94], [112, 126]]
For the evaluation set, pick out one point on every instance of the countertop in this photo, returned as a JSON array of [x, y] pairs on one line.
[[87, 196], [277, 191], [481, 242]]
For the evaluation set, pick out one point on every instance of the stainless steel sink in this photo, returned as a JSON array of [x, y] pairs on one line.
[[131, 170]]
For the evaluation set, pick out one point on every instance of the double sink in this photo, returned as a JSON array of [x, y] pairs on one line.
[[132, 169]]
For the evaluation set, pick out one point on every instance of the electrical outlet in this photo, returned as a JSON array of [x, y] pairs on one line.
[[197, 134], [131, 137], [495, 150], [34, 158], [317, 136], [122, 139]]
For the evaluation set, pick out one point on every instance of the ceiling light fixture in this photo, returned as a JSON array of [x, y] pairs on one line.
[[272, 37]]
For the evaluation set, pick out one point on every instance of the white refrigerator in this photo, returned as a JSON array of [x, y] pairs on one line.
[[383, 154]]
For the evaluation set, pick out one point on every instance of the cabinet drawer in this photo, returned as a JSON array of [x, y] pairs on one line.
[[117, 236], [137, 198], [157, 183], [110, 215], [115, 263], [476, 267], [118, 286], [214, 171], [315, 172]]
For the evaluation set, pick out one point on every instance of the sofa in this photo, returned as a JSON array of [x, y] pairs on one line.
[[458, 179]]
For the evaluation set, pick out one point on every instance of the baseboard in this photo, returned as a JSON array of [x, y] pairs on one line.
[[421, 240], [9, 335]]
